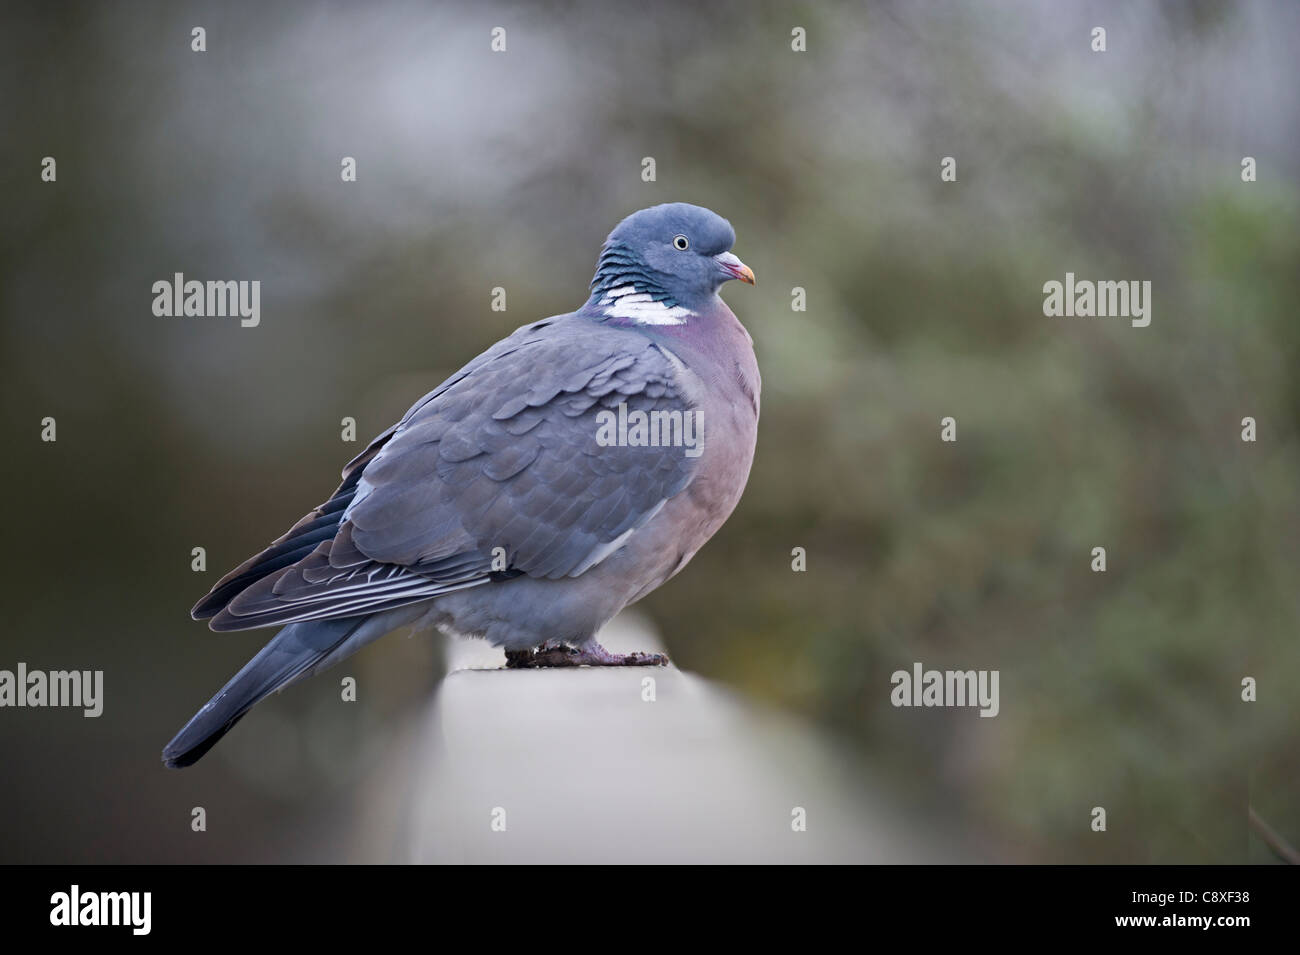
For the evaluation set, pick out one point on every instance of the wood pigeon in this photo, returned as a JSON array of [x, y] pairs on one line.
[[565, 473]]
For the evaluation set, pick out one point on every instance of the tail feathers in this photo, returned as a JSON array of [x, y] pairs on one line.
[[295, 651]]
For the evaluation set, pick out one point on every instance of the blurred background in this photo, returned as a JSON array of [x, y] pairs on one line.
[[924, 299]]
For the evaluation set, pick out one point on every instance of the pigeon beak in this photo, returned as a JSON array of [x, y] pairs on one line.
[[735, 268]]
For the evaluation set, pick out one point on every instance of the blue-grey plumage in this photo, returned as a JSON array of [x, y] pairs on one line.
[[499, 507]]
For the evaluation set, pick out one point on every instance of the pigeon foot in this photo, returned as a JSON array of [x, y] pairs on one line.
[[593, 655]]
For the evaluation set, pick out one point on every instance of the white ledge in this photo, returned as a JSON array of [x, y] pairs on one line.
[[580, 768]]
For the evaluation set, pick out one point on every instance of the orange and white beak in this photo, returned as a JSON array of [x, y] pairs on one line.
[[735, 268]]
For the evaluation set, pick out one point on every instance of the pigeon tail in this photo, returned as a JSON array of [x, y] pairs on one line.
[[296, 651]]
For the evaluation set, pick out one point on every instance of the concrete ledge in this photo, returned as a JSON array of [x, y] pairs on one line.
[[578, 766]]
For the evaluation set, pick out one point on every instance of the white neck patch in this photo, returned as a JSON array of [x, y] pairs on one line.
[[626, 302]]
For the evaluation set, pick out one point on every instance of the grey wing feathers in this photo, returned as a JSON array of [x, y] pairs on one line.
[[320, 525], [503, 454]]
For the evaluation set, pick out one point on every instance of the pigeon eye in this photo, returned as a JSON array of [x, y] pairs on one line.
[[681, 243]]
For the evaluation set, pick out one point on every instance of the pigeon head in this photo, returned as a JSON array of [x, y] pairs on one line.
[[662, 265]]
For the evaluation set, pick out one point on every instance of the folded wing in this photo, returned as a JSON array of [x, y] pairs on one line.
[[504, 454]]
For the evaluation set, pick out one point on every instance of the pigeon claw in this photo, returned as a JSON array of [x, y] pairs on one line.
[[592, 655]]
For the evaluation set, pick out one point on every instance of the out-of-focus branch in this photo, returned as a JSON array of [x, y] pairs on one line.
[[1281, 848]]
